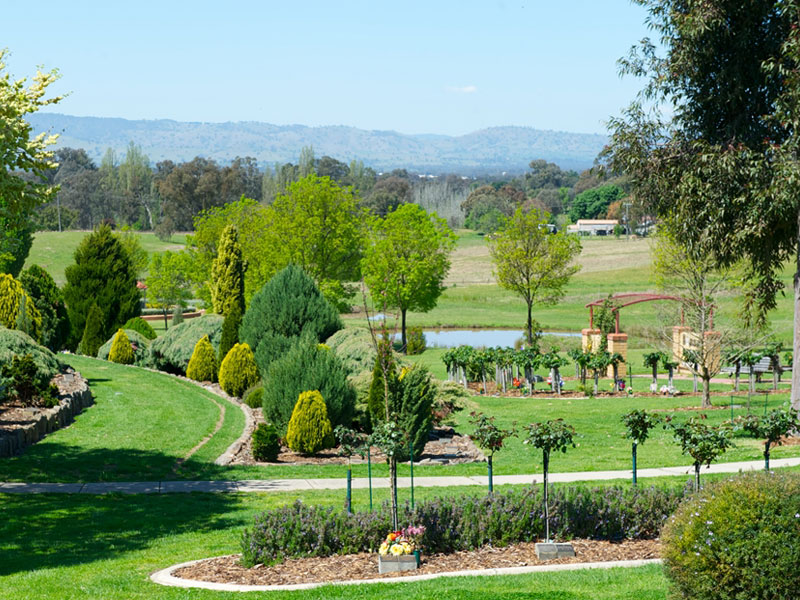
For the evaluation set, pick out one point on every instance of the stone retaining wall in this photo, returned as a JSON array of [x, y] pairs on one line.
[[74, 396]]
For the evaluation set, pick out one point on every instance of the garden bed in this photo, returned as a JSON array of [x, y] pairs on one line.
[[226, 569]]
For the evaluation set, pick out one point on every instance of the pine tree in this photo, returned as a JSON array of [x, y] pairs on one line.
[[227, 273], [103, 275], [92, 332]]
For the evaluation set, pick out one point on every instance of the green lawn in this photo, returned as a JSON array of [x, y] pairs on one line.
[[53, 250], [141, 424], [105, 547]]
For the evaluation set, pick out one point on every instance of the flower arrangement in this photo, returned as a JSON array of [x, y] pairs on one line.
[[405, 541]]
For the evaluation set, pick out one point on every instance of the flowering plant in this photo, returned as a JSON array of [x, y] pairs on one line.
[[405, 541]]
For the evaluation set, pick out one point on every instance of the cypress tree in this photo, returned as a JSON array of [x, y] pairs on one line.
[[230, 330], [103, 275], [121, 351], [92, 332], [227, 273]]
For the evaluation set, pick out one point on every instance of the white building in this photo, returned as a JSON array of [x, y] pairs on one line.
[[593, 226]]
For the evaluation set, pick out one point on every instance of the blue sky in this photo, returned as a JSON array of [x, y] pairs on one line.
[[416, 67]]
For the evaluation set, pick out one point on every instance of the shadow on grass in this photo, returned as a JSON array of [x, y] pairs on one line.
[[55, 530], [60, 463]]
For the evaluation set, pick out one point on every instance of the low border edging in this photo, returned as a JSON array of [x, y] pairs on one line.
[[48, 420], [166, 578]]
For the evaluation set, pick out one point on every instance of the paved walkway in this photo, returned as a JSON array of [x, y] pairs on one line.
[[288, 485]]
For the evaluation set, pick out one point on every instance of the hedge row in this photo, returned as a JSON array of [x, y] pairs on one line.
[[462, 522]]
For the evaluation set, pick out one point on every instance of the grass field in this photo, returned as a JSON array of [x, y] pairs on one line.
[[141, 424], [53, 250]]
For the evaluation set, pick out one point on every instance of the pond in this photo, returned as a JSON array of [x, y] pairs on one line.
[[450, 338]]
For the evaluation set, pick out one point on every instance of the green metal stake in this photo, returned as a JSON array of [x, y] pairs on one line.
[[369, 474], [491, 483], [634, 463], [411, 447], [349, 491]]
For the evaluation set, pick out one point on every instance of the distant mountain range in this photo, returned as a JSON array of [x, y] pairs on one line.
[[489, 150]]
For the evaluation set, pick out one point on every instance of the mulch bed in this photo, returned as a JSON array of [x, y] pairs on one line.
[[226, 569]]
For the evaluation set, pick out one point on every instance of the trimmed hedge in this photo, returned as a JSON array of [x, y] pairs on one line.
[[307, 367], [238, 371], [203, 364], [454, 523], [309, 429], [139, 344], [121, 351], [737, 539], [172, 351]]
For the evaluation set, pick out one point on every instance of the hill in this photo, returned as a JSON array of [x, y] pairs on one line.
[[486, 151]]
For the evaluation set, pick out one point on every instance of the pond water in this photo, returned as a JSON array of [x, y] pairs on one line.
[[450, 338]]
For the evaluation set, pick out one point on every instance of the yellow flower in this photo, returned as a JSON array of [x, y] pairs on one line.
[[396, 549], [403, 373], [406, 548], [384, 549]]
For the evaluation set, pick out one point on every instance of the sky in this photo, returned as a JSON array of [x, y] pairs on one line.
[[435, 66]]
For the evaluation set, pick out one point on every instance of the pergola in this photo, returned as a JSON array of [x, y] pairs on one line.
[[623, 300]]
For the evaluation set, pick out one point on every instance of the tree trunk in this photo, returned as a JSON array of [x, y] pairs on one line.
[[706, 402], [557, 380], [596, 381], [671, 373], [403, 330], [736, 376], [165, 318], [752, 380], [655, 377], [529, 326], [697, 477]]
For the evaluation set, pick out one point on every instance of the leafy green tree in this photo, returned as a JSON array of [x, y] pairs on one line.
[[102, 274], [407, 260], [319, 227], [227, 273], [652, 360], [722, 166], [24, 163], [776, 425], [594, 203], [704, 443], [532, 262], [489, 438], [550, 436], [49, 301], [167, 282], [638, 424]]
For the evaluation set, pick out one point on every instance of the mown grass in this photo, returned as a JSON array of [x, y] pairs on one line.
[[141, 423], [54, 251]]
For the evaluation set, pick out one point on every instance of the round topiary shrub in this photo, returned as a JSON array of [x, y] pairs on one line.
[[139, 345], [121, 351], [265, 443], [238, 370], [737, 539], [254, 397], [309, 428], [203, 364], [139, 325]]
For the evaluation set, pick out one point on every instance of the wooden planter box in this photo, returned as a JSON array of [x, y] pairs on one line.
[[391, 564]]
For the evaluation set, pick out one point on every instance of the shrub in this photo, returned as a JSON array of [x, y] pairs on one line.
[[230, 329], [49, 301], [309, 428], [102, 274], [415, 341], [203, 364], [139, 345], [177, 316], [16, 343], [14, 298], [272, 347], [139, 325], [463, 522], [412, 402], [238, 370], [737, 539], [172, 351], [354, 348], [92, 337], [265, 443], [307, 367], [289, 304], [121, 351], [227, 273], [24, 382], [254, 396]]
